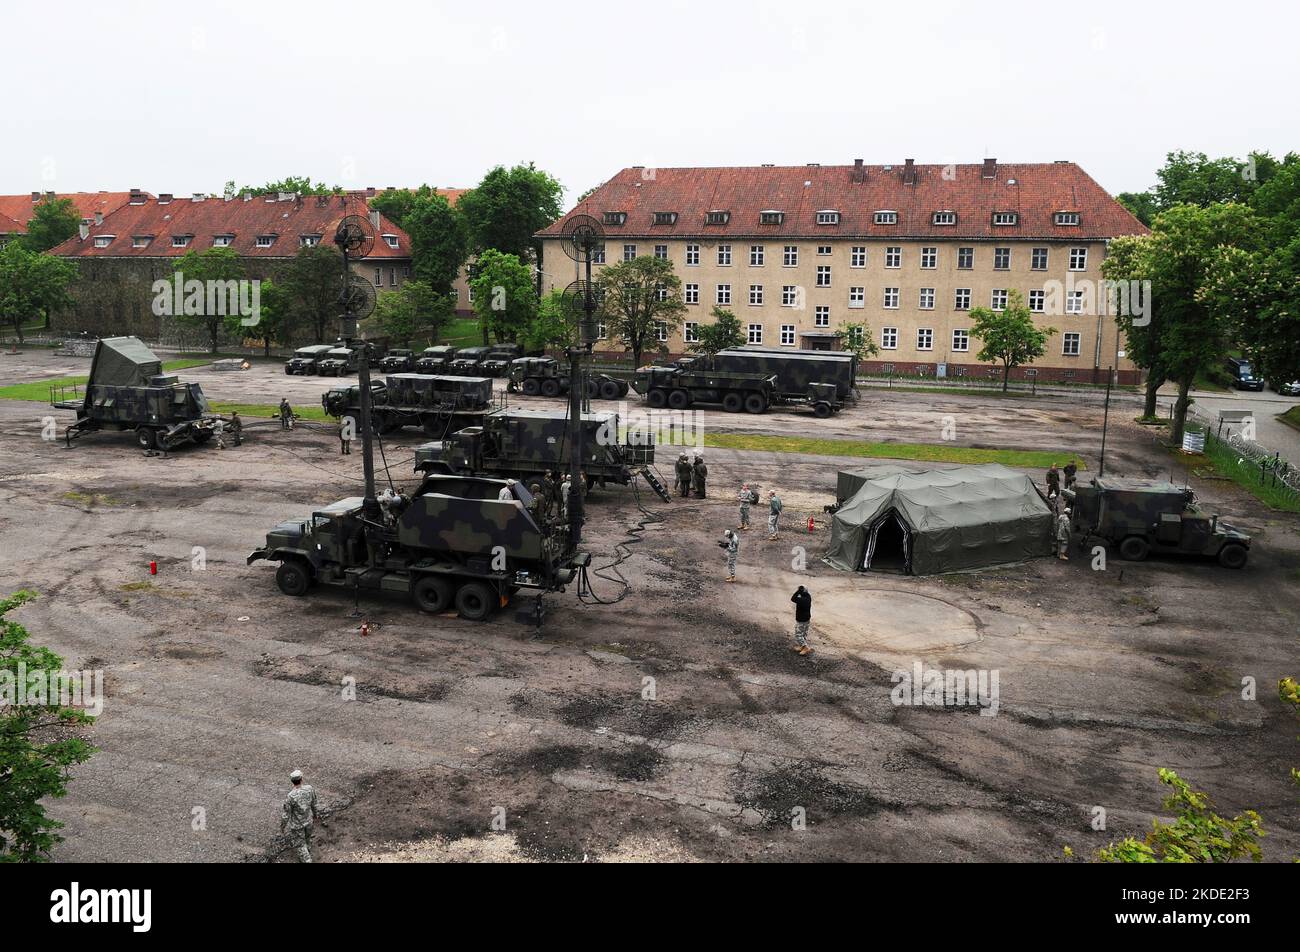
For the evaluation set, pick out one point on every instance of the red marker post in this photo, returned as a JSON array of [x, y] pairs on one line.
[[153, 568]]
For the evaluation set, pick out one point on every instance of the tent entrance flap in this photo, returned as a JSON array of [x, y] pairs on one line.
[[889, 545]]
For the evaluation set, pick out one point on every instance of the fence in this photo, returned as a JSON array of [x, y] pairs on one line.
[[1273, 470]]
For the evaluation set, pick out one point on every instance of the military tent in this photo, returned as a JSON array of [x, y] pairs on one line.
[[937, 520]]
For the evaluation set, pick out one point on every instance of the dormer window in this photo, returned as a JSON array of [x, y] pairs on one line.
[[390, 240], [717, 217], [828, 217], [265, 241], [309, 241], [1067, 218], [141, 241], [771, 217], [181, 241], [1005, 218], [944, 218], [665, 218], [103, 241], [222, 241], [615, 218], [886, 218]]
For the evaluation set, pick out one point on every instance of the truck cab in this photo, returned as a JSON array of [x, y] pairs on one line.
[[306, 360], [467, 360], [397, 361], [434, 360], [497, 361], [338, 361]]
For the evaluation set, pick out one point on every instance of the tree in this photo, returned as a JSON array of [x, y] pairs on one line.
[[1128, 260], [276, 317], [36, 750], [1009, 335], [414, 312], [52, 223], [725, 331], [439, 241], [210, 264], [1190, 178], [503, 295], [1142, 205], [396, 203], [637, 297], [1258, 294], [858, 340], [302, 184], [313, 281], [556, 323], [32, 284], [508, 207]]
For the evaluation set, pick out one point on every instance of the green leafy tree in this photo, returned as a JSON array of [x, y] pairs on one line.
[[1142, 205], [414, 312], [637, 297], [1258, 294], [725, 331], [556, 324], [313, 281], [276, 319], [52, 223], [504, 298], [36, 747], [396, 203], [1128, 259], [439, 241], [508, 207], [32, 285], [1288, 691], [1010, 336], [302, 184], [210, 264], [1190, 178], [859, 340]]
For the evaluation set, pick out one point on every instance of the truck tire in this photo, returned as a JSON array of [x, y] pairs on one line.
[[147, 437], [432, 593], [475, 601], [550, 387], [612, 390], [1233, 556], [821, 409], [755, 403], [733, 402], [593, 389], [531, 387], [1134, 549], [657, 397], [293, 577], [679, 399], [288, 372]]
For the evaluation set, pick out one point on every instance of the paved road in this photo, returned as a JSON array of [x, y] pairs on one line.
[[1266, 405]]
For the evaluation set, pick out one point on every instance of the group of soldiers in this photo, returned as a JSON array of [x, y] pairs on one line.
[[691, 476], [748, 497], [551, 494], [1062, 530]]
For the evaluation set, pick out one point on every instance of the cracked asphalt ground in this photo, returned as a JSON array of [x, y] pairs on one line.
[[217, 685]]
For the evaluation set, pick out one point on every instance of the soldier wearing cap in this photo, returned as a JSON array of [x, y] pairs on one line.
[[683, 469], [301, 808], [236, 428], [774, 508], [699, 473], [731, 545], [1063, 536]]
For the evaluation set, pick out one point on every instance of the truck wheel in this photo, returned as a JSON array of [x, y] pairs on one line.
[[679, 399], [657, 397], [1134, 549], [293, 578], [613, 389], [474, 601], [288, 372], [1233, 556], [147, 437], [593, 389], [733, 403], [202, 436], [550, 387], [531, 387], [432, 593], [821, 409], [754, 403]]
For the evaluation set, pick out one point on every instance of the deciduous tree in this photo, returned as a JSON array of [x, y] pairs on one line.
[[32, 285], [508, 207], [52, 223], [637, 297], [1010, 336], [725, 331]]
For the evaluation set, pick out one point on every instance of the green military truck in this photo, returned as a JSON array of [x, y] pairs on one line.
[[434, 360], [550, 378], [819, 379], [682, 387], [467, 360], [305, 360], [338, 362], [1140, 516], [459, 542], [498, 359], [127, 390], [398, 360], [438, 404]]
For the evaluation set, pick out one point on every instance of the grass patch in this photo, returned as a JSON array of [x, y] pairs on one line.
[[463, 332], [90, 499], [39, 390], [925, 452], [1291, 418], [137, 587], [258, 411], [1223, 461]]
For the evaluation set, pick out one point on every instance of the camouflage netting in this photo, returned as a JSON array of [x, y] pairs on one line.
[[953, 518]]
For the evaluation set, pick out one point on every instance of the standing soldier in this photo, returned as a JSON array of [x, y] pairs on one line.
[[286, 414], [802, 599], [700, 472], [1063, 536], [683, 476], [1071, 471], [731, 543], [1053, 482], [550, 492], [219, 430], [747, 498], [301, 808], [773, 513], [236, 428], [565, 488], [345, 436]]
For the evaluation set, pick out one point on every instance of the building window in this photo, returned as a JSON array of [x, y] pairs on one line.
[[1078, 259], [390, 240], [756, 294], [1037, 301], [665, 218], [756, 333], [857, 297], [103, 241], [965, 258], [925, 338], [823, 276], [141, 241], [790, 258], [263, 241], [392, 277], [692, 293], [960, 340], [1004, 218], [828, 217], [926, 301], [961, 299], [1074, 302], [379, 282], [822, 316], [756, 256], [771, 218], [222, 241], [661, 251], [999, 299], [889, 298], [661, 331], [1038, 260], [615, 218], [787, 335], [944, 218], [724, 255], [858, 256], [824, 251], [889, 338], [723, 295], [1001, 259], [856, 336], [789, 295], [691, 332], [661, 293], [1070, 345], [629, 252], [692, 255], [308, 241], [455, 295], [894, 256], [598, 255], [1067, 218], [717, 218], [602, 332], [929, 257], [886, 218], [180, 241]]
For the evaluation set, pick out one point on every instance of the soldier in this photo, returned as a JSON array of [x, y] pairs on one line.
[[774, 508], [802, 599], [700, 473], [1071, 471], [219, 430], [345, 436], [550, 490], [683, 476], [1063, 536], [731, 544], [507, 493], [746, 500], [286, 414], [565, 488], [301, 807], [236, 428], [1053, 482]]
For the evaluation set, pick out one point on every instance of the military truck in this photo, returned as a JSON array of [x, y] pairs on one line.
[[438, 404], [550, 378], [524, 444], [338, 362], [497, 361], [1141, 516], [305, 360], [455, 543], [680, 388], [433, 360], [795, 370], [467, 360], [127, 390], [398, 361]]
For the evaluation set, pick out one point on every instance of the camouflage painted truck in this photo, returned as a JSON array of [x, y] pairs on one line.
[[682, 387], [820, 379], [454, 543], [524, 444], [549, 377], [127, 390], [305, 360], [434, 360], [437, 404], [1140, 516], [497, 361], [398, 360]]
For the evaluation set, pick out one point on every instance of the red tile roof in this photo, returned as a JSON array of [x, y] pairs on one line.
[[1035, 192], [203, 221], [452, 195], [21, 208], [10, 227]]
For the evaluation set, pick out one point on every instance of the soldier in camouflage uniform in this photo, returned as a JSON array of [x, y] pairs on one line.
[[683, 476], [774, 508], [802, 599], [566, 487], [747, 498], [236, 428], [301, 808], [730, 543], [1063, 536], [286, 414], [700, 473]]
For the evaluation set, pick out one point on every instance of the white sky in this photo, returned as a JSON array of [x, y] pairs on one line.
[[173, 97]]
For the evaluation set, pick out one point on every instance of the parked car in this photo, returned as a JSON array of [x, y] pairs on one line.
[[1291, 389], [1243, 378]]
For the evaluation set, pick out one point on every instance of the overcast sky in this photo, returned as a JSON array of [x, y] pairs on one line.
[[174, 97]]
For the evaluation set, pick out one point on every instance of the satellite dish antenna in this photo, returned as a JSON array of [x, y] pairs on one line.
[[580, 305], [354, 236], [583, 237]]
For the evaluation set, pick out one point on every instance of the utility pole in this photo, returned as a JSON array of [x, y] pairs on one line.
[[1105, 422]]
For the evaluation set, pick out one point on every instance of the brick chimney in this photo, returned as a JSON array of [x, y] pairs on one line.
[[909, 172], [36, 197], [99, 218], [84, 229], [859, 172], [374, 219], [137, 197], [990, 168]]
